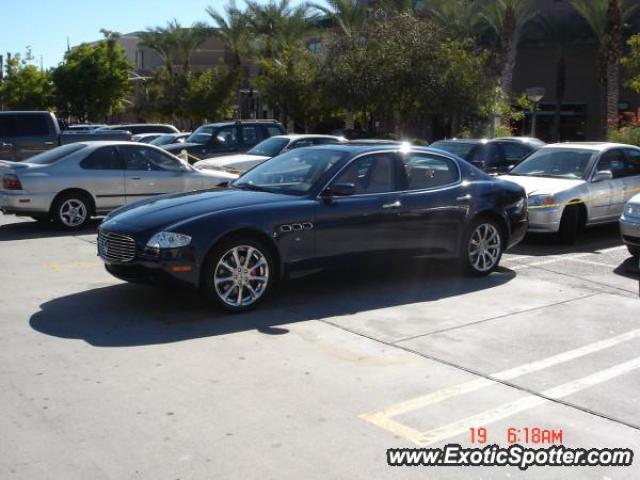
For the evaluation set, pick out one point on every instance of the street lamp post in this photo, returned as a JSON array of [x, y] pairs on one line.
[[534, 94]]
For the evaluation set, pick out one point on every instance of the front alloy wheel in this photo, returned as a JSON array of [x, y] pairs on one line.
[[484, 248], [239, 275]]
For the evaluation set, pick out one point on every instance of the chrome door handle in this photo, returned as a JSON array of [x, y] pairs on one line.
[[48, 143], [136, 178], [7, 145], [464, 198], [395, 204]]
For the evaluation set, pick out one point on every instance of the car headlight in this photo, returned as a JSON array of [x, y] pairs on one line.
[[168, 240], [632, 210], [541, 200]]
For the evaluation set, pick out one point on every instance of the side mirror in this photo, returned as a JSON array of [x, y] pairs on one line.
[[602, 176], [340, 190]]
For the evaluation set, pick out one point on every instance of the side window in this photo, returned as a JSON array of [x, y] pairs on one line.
[[324, 141], [251, 134], [514, 152], [614, 161], [273, 130], [370, 174], [227, 136], [490, 153], [149, 159], [105, 158], [633, 162], [28, 125], [428, 171]]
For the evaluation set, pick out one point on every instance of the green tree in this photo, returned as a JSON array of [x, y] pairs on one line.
[[232, 28], [25, 86], [93, 80], [461, 18], [632, 62], [290, 83], [209, 94], [605, 19], [350, 16]]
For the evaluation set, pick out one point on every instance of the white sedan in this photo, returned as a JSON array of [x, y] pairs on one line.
[[71, 183], [570, 185], [264, 150]]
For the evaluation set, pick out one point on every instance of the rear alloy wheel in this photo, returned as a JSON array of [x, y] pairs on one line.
[[634, 251], [239, 274], [483, 248], [71, 211]]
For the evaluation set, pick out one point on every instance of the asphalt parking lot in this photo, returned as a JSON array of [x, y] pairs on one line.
[[101, 379]]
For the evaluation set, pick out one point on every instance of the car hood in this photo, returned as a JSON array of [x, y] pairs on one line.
[[229, 160], [543, 185], [166, 210]]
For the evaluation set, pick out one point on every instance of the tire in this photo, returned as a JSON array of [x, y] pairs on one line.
[[71, 211], [569, 224], [238, 287], [634, 251], [482, 248]]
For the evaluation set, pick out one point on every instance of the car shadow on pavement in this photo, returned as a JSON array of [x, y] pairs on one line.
[[132, 315], [30, 230], [590, 240]]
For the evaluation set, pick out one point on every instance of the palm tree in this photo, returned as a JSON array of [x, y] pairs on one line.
[[390, 8], [266, 21], [507, 18], [232, 29], [605, 19], [162, 40], [459, 17], [350, 16], [175, 43]]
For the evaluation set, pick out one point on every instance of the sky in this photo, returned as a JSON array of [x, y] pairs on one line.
[[45, 25]]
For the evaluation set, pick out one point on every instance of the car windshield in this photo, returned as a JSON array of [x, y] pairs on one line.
[[202, 135], [55, 154], [556, 162], [163, 139], [461, 149], [269, 147], [293, 172]]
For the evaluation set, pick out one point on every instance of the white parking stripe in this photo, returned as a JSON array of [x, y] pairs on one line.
[[530, 401], [383, 418], [558, 258]]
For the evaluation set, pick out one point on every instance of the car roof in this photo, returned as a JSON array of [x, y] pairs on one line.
[[241, 122], [298, 136], [595, 146], [472, 141], [356, 149]]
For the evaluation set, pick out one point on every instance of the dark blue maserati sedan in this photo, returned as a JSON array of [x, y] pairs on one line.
[[312, 207]]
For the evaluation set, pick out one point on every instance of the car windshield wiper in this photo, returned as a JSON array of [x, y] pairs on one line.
[[251, 186]]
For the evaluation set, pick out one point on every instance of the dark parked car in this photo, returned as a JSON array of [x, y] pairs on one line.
[[224, 138], [495, 156], [311, 207], [138, 128], [26, 134]]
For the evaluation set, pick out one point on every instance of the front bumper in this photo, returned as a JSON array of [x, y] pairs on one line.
[[24, 203], [630, 231], [544, 219]]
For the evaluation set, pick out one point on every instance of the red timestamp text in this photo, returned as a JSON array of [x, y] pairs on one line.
[[521, 435]]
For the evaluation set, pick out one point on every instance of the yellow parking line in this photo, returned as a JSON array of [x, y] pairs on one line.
[[508, 409], [70, 266], [384, 418]]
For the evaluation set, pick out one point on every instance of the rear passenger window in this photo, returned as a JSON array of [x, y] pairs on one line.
[[251, 135], [105, 158], [273, 130], [7, 127], [614, 161], [514, 152], [428, 171], [31, 126]]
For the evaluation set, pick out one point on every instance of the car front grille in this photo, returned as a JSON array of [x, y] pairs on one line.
[[115, 247]]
